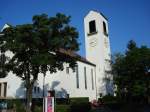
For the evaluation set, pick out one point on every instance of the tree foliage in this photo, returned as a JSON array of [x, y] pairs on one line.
[[3, 71], [132, 71], [36, 48]]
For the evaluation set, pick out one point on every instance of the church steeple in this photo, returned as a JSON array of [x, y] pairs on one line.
[[5, 26], [97, 45]]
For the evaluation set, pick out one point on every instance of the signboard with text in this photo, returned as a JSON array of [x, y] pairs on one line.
[[48, 104]]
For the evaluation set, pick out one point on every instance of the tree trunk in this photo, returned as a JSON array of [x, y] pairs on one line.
[[29, 98], [29, 87]]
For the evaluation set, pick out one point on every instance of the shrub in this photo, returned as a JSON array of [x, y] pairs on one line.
[[37, 101], [3, 104], [112, 102], [62, 108], [38, 109], [18, 105], [79, 100], [80, 104], [62, 101], [80, 107], [109, 99]]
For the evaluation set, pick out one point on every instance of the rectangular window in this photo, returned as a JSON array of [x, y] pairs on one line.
[[5, 89], [34, 89], [104, 28], [74, 69], [77, 77], [0, 89], [38, 89], [92, 26], [85, 78], [92, 79], [67, 70]]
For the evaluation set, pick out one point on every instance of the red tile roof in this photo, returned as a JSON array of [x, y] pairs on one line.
[[76, 56]]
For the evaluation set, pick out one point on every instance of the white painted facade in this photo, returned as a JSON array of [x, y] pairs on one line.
[[63, 83], [90, 83]]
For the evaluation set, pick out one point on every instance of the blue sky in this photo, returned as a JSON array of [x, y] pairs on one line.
[[128, 19]]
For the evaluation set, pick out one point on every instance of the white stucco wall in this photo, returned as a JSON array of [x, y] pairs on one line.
[[61, 82], [67, 82]]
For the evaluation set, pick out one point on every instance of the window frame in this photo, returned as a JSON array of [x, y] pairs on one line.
[[92, 78], [85, 78], [105, 28], [77, 77], [67, 70], [5, 89], [92, 26], [0, 89]]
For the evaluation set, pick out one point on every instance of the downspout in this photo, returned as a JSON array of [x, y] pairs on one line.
[[95, 83]]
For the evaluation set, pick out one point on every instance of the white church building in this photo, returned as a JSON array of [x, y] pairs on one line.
[[90, 78]]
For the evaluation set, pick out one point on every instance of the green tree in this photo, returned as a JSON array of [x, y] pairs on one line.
[[3, 71], [37, 48], [132, 71]]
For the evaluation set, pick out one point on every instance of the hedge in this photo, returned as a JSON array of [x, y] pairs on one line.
[[80, 104]]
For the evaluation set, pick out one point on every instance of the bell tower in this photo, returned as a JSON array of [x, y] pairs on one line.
[[98, 48]]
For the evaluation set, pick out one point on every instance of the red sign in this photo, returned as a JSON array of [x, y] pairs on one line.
[[49, 104]]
